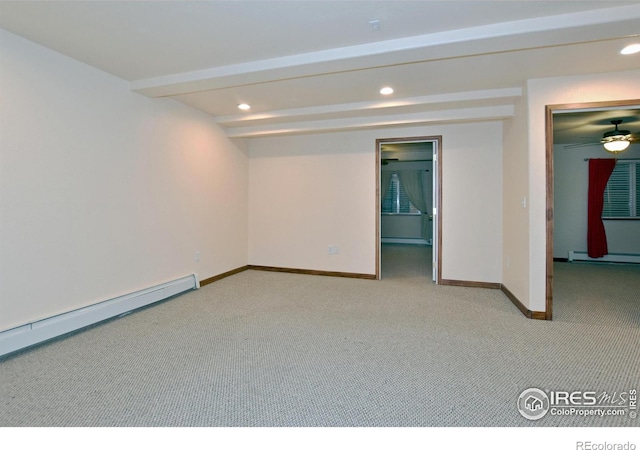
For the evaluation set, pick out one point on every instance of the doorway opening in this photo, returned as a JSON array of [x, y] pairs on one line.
[[408, 199], [552, 253]]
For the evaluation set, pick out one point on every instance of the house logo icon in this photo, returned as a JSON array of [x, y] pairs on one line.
[[533, 404]]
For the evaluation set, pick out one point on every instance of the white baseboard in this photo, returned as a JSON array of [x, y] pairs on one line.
[[405, 241], [42, 330], [611, 257]]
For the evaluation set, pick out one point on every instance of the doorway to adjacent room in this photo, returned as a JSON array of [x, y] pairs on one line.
[[408, 195]]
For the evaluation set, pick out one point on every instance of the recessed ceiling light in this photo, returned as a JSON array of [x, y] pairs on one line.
[[244, 106], [630, 49], [386, 90]]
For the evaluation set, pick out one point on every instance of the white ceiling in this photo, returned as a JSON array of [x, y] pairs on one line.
[[318, 65]]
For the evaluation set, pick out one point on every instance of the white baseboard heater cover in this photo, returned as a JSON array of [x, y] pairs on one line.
[[42, 330], [415, 241], [611, 257]]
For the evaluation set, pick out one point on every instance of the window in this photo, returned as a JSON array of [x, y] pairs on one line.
[[621, 196], [396, 200]]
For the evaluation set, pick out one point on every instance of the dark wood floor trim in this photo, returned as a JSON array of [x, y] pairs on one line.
[[365, 276], [223, 275], [538, 315], [523, 309], [473, 284]]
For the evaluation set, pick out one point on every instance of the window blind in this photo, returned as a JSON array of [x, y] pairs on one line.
[[396, 200], [621, 198]]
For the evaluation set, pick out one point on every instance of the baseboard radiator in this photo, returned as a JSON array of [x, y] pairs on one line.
[[42, 330], [611, 257], [414, 241]]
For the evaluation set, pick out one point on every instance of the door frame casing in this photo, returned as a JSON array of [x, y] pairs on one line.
[[549, 111], [437, 206]]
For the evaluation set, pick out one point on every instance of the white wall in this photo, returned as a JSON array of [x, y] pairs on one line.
[[309, 191], [555, 91], [401, 226], [515, 258], [571, 185], [472, 202], [103, 191]]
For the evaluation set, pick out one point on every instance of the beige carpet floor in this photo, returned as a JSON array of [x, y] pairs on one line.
[[278, 350]]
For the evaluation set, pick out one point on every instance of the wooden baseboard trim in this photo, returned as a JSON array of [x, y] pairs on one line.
[[326, 273], [537, 315], [523, 309], [223, 275], [472, 284]]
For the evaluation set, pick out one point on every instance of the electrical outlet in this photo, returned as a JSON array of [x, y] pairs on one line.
[[197, 256], [334, 250]]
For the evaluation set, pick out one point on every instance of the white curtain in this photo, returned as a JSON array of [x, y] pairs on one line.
[[411, 181], [385, 182]]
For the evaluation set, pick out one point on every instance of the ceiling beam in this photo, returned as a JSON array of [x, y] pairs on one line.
[[440, 99], [430, 117], [539, 32]]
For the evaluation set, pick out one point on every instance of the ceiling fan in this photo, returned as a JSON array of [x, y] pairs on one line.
[[615, 140]]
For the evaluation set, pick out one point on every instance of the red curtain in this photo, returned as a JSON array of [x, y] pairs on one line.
[[599, 173]]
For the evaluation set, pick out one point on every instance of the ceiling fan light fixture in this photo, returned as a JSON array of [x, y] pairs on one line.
[[617, 140], [616, 145]]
